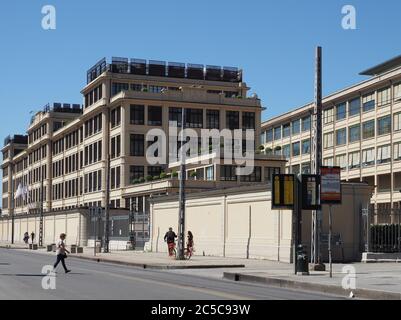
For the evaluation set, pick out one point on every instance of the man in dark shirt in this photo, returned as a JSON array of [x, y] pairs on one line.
[[170, 238]]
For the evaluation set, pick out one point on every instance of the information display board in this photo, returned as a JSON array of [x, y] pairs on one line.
[[310, 192], [283, 189]]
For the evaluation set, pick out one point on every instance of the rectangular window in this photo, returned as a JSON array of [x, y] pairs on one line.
[[212, 119], [137, 145], [286, 130], [155, 116], [354, 133], [306, 146], [397, 92], [175, 115], [113, 178], [354, 160], [368, 129], [328, 140], [228, 173], [368, 157], [277, 133], [328, 115], [384, 125], [341, 161], [354, 107], [210, 173], [115, 117], [154, 171], [268, 173], [287, 151], [368, 102], [136, 173], [341, 111], [328, 162], [118, 87], [232, 120], [269, 135], [194, 118], [296, 126], [248, 120], [397, 151], [255, 176], [306, 168], [306, 123], [397, 121], [384, 154], [384, 97], [137, 114], [341, 137], [295, 149]]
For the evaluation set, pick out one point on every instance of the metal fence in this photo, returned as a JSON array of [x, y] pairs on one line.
[[382, 231], [120, 228]]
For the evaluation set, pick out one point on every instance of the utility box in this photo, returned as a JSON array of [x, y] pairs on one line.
[[73, 248], [80, 250], [34, 246]]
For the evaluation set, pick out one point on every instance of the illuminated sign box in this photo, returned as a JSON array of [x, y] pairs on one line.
[[310, 192]]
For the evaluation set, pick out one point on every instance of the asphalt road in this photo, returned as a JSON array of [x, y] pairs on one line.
[[21, 278]]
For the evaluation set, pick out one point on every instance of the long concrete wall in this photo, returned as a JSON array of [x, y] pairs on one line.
[[242, 224], [74, 224], [238, 225]]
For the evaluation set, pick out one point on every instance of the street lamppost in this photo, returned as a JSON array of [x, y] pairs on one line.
[[181, 221]]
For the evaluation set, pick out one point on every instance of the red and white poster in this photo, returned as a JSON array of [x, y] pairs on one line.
[[330, 188]]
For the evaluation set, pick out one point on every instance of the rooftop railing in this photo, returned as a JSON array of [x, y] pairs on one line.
[[60, 108], [18, 139], [164, 69]]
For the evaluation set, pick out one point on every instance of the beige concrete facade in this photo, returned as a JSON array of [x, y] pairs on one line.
[[239, 222], [67, 147], [361, 133]]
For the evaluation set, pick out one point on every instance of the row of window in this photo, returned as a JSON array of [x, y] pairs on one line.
[[285, 131], [93, 181], [228, 173], [67, 189], [368, 131], [93, 153], [339, 112], [115, 178], [37, 134], [93, 96], [295, 149], [37, 175], [138, 172], [369, 157], [37, 155], [93, 126]]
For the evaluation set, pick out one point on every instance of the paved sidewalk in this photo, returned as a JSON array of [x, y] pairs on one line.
[[373, 280]]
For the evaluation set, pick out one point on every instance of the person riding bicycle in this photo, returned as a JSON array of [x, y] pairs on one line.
[[170, 238]]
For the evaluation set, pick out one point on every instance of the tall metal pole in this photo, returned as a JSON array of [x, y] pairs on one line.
[[181, 221], [107, 210], [330, 234], [12, 204], [317, 156], [40, 243]]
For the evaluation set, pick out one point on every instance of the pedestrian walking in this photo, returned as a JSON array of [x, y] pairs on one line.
[[32, 236], [62, 253], [26, 237]]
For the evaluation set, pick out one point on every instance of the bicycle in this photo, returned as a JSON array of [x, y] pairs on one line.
[[188, 252], [172, 251]]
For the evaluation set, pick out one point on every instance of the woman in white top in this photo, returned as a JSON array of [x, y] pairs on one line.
[[61, 253]]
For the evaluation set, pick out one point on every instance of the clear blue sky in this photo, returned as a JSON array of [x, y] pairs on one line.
[[273, 41]]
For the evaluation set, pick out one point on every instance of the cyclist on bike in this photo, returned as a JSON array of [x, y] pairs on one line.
[[170, 238]]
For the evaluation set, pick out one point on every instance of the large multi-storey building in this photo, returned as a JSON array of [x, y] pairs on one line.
[[361, 133], [69, 147]]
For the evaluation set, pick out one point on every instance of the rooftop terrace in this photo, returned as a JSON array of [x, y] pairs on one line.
[[60, 108], [164, 69]]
